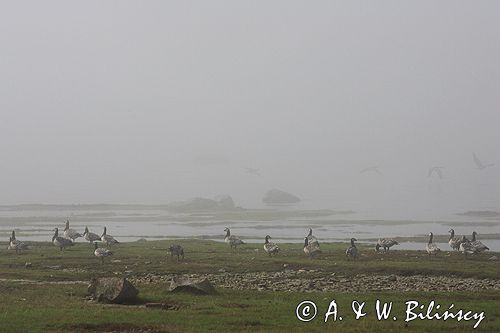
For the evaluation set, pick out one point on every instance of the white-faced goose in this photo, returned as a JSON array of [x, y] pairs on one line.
[[270, 247], [176, 250], [385, 243], [90, 236], [466, 246], [71, 233], [15, 244], [477, 244], [108, 239], [352, 251], [232, 240], [310, 238], [432, 248], [59, 241], [101, 252], [454, 241], [311, 249]]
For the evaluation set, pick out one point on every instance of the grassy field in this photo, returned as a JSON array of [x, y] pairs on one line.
[[52, 307]]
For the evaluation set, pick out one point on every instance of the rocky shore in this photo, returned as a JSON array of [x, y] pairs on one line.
[[313, 280]]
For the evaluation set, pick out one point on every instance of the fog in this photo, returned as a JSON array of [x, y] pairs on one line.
[[151, 102]]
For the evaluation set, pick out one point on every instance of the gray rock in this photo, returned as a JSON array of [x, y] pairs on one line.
[[194, 286], [112, 290]]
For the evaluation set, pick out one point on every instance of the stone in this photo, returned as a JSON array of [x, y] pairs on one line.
[[192, 285], [112, 290]]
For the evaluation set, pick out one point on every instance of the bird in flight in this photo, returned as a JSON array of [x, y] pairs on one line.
[[253, 171], [437, 171], [371, 169], [480, 164]]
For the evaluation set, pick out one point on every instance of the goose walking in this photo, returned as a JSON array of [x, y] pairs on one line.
[[90, 236], [71, 233], [352, 251], [59, 241], [101, 252], [270, 247], [385, 243], [108, 239], [454, 241], [311, 249], [232, 240], [466, 246], [15, 244], [432, 248], [176, 250], [311, 238], [478, 245]]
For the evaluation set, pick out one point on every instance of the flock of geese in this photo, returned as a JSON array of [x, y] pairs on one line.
[[311, 243], [68, 240], [312, 248], [462, 244]]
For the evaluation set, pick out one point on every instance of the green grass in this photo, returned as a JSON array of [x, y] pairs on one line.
[[63, 308]]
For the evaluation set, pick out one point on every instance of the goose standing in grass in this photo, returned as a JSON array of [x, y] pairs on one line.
[[176, 250], [15, 244], [466, 246], [432, 248], [311, 238], [71, 233], [385, 243], [352, 251], [108, 239], [232, 240], [59, 241], [454, 241], [311, 249], [101, 252], [477, 245], [270, 247], [90, 236]]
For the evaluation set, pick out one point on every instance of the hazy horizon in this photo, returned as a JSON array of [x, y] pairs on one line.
[[116, 102]]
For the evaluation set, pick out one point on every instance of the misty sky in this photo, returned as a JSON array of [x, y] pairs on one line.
[[154, 101]]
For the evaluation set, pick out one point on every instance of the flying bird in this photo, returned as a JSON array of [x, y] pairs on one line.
[[437, 171], [253, 171], [371, 169], [480, 164]]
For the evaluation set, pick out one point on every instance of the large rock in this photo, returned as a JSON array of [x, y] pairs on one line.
[[193, 286], [202, 204], [112, 290], [275, 196], [225, 202]]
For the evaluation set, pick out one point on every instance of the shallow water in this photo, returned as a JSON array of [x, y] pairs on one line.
[[130, 225]]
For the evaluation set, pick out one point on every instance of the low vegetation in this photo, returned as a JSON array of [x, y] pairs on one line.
[[44, 289]]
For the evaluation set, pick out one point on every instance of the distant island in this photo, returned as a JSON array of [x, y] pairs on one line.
[[279, 197], [481, 213]]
